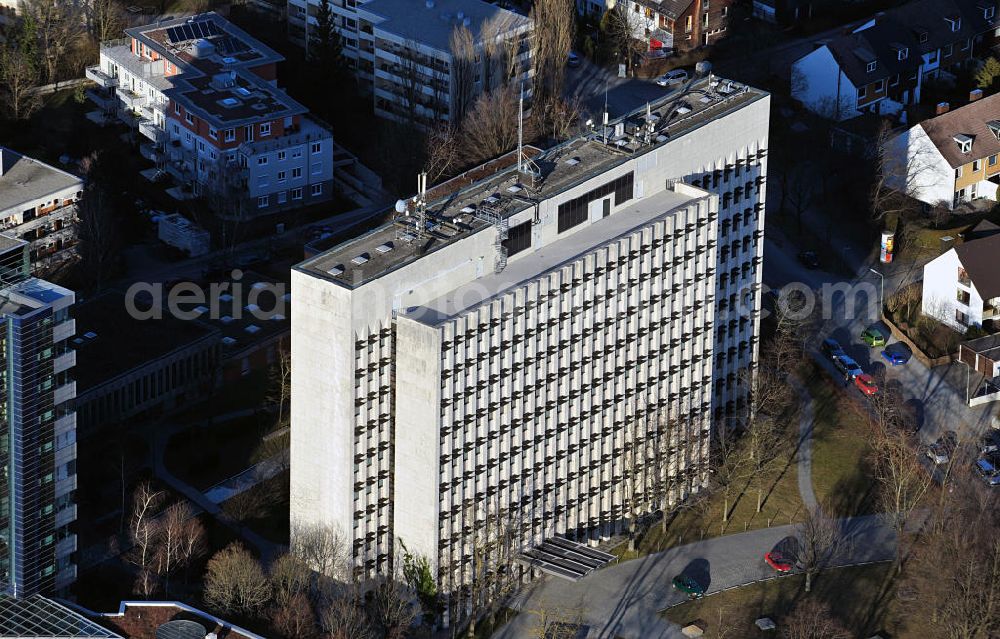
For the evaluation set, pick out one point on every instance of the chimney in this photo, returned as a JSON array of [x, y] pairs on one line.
[[942, 107], [975, 94]]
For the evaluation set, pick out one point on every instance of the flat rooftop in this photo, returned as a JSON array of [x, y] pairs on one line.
[[109, 342], [458, 214], [23, 180], [565, 249], [431, 22], [216, 60]]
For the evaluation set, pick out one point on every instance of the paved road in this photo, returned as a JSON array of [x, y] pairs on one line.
[[591, 84], [625, 600]]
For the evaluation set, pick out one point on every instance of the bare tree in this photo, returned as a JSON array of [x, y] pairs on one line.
[[553, 36], [899, 171], [18, 81], [343, 618], [105, 19], [295, 618], [324, 548], [819, 536], [463, 72], [495, 543], [560, 118], [235, 583], [440, 152], [501, 45], [59, 26], [289, 576], [96, 229], [281, 382], [180, 540], [490, 128], [901, 480], [799, 190], [623, 27], [812, 619], [390, 608], [144, 531], [553, 621], [731, 468], [764, 442]]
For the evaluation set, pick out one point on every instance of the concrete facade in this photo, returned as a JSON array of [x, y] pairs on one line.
[[500, 367]]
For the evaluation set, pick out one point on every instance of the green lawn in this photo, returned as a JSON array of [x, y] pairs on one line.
[[841, 470], [860, 597]]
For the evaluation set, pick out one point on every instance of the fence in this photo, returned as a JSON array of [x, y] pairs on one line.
[[48, 89]]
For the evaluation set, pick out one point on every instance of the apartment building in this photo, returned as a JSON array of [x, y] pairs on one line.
[[961, 287], [37, 430], [675, 25], [403, 55], [38, 205], [952, 158], [882, 65], [204, 95], [495, 350]]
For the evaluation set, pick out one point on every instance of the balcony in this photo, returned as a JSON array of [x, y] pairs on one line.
[[99, 77], [66, 546], [103, 99], [64, 330], [66, 516], [64, 393], [64, 362], [131, 100], [64, 424], [990, 312], [149, 129]]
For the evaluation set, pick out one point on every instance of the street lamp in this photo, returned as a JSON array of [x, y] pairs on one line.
[[881, 294]]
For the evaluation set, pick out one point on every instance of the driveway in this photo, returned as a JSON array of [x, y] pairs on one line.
[[625, 600]]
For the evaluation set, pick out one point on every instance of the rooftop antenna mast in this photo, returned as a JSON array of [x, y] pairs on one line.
[[421, 202], [525, 166], [604, 124], [406, 229]]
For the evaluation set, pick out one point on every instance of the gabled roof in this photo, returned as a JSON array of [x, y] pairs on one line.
[[919, 27], [673, 9], [981, 260], [972, 120]]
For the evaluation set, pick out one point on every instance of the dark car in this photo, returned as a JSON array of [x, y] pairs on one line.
[[809, 259], [831, 348], [847, 366], [987, 469], [688, 586], [940, 451], [990, 443], [895, 358]]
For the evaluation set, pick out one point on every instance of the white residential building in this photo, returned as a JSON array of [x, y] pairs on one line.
[[204, 94], [180, 232], [961, 287], [38, 205], [498, 359], [402, 52], [951, 158]]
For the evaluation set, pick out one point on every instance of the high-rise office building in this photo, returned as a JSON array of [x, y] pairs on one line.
[[493, 349], [37, 429]]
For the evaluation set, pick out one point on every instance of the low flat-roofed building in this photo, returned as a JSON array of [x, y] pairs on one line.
[[40, 618], [128, 367]]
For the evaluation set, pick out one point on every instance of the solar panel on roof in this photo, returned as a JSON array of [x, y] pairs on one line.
[[210, 27], [188, 33], [172, 34], [196, 29]]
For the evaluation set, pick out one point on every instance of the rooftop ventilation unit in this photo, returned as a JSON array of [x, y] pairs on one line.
[[360, 259], [336, 270], [253, 328], [572, 161], [683, 110], [384, 248], [226, 341]]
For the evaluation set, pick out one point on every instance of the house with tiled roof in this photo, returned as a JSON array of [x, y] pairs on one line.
[[961, 287], [882, 65], [951, 158], [678, 25]]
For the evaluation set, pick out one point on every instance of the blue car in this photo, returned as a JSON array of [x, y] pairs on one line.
[[988, 472], [896, 359], [847, 366], [831, 348]]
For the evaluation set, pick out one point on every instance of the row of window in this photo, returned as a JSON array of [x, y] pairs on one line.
[[574, 212], [282, 196]]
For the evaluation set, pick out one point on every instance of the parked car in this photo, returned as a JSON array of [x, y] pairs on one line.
[[847, 366], [777, 560], [672, 77], [940, 451], [990, 443], [831, 348], [866, 384], [809, 259], [873, 337], [688, 586], [573, 59], [986, 469], [894, 358]]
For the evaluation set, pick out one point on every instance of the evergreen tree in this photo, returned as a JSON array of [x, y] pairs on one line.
[[987, 75]]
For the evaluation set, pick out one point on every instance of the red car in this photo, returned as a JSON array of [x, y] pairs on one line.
[[778, 561], [866, 384]]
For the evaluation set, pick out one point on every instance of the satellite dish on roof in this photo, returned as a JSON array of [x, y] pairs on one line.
[[400, 206]]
